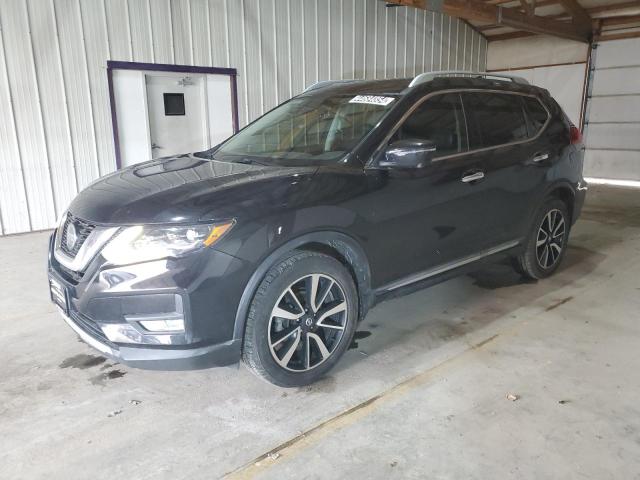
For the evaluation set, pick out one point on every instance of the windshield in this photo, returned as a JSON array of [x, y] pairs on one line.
[[308, 129]]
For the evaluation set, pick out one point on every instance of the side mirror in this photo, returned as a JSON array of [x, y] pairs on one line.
[[409, 153]]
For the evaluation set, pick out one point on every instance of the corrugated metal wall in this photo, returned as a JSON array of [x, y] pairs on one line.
[[55, 124]]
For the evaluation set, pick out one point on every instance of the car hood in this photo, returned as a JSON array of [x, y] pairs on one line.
[[186, 188]]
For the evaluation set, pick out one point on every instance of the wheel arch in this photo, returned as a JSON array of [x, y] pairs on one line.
[[565, 192], [340, 246]]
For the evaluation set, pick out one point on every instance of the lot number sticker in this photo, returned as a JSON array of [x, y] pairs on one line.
[[372, 100]]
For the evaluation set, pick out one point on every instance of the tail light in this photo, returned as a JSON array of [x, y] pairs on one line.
[[575, 136]]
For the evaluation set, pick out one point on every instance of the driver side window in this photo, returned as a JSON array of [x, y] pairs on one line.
[[438, 119]]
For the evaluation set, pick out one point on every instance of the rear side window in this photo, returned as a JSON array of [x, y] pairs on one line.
[[536, 114], [494, 119], [438, 119]]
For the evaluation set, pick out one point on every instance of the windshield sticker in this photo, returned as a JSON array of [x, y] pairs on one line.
[[372, 99]]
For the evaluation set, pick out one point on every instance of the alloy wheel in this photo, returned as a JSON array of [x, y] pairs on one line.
[[550, 238], [307, 322]]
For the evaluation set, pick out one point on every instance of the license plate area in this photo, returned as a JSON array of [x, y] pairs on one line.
[[58, 294]]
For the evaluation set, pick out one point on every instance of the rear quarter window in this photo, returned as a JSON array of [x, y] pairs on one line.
[[536, 115], [494, 119]]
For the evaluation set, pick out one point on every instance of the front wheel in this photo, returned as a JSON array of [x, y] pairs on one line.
[[545, 247], [301, 320]]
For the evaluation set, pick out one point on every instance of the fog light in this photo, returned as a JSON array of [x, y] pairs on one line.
[[122, 333], [166, 325]]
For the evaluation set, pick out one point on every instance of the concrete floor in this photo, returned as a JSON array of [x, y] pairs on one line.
[[422, 395]]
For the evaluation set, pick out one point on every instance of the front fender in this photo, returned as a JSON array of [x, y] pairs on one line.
[[344, 245]]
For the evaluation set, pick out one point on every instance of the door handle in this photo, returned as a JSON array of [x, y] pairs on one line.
[[472, 177], [539, 157], [155, 145]]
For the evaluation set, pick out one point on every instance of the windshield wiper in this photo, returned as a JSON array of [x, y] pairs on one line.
[[249, 161]]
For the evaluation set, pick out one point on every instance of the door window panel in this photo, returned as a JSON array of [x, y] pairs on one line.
[[536, 114], [438, 119], [494, 119]]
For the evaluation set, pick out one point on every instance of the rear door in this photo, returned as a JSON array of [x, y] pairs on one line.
[[501, 138]]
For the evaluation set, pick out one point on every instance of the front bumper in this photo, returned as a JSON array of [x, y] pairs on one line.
[[204, 289], [216, 355]]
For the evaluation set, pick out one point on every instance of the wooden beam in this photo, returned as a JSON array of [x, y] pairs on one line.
[[482, 12], [610, 21], [509, 36], [541, 3], [579, 15], [614, 7], [617, 36], [526, 7]]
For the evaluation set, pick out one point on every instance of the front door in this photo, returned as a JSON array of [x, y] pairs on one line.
[[433, 216], [177, 114]]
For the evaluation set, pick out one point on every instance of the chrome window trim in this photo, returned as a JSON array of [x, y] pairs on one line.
[[89, 249], [467, 152], [431, 272]]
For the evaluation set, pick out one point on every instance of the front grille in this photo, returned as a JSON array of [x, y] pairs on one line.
[[83, 229], [74, 277]]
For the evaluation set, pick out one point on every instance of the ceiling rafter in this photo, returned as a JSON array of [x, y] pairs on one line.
[[579, 15], [528, 8], [508, 17], [617, 9]]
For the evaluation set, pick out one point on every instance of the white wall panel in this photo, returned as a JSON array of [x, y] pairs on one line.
[[269, 81], [380, 44], [612, 164], [612, 130], [201, 43], [74, 69], [254, 60], [282, 53], [140, 30], [55, 131], [96, 41], [161, 31], [618, 53], [612, 81], [53, 103], [445, 45], [181, 30], [219, 33], [119, 28], [565, 82], [614, 136], [438, 39], [347, 38], [24, 88], [533, 51], [14, 209], [359, 49], [623, 108]]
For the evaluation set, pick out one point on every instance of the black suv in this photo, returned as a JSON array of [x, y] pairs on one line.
[[273, 245]]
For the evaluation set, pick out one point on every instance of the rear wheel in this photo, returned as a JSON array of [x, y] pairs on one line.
[[301, 319], [547, 241]]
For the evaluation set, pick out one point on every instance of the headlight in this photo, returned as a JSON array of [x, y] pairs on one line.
[[142, 243]]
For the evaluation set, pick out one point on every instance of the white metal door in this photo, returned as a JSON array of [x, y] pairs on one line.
[[177, 114], [612, 130]]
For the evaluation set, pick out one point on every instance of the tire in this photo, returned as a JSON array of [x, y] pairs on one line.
[[292, 341], [534, 263]]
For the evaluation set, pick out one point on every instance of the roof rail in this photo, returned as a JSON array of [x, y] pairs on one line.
[[428, 76]]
